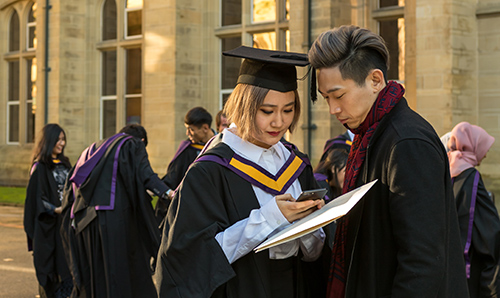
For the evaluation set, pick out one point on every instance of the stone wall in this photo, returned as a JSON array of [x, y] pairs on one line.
[[488, 78]]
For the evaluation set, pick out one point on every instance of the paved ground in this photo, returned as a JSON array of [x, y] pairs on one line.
[[17, 274]]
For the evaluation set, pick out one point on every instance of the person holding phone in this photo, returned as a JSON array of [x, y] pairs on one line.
[[242, 189]]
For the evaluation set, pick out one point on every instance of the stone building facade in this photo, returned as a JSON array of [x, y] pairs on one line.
[[95, 65]]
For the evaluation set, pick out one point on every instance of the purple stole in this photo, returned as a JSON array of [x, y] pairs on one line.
[[88, 161], [184, 145], [258, 176], [343, 142], [471, 223], [322, 177]]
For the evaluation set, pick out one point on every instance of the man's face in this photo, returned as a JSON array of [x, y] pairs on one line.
[[223, 124], [349, 102], [197, 134]]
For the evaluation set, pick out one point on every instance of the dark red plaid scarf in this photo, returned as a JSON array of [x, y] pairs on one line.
[[386, 100]]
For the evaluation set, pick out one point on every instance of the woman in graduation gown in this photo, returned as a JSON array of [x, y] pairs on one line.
[[42, 219], [477, 214], [239, 191], [330, 172]]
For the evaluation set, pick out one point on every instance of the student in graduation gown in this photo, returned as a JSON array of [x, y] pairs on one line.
[[330, 170], [221, 121], [42, 212], [402, 239], [330, 174], [109, 228], [239, 192], [477, 214], [197, 122], [341, 141]]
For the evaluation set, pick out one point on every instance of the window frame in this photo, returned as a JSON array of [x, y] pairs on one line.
[[28, 26], [388, 13], [7, 126], [125, 21], [102, 99], [246, 30], [22, 55], [120, 44]]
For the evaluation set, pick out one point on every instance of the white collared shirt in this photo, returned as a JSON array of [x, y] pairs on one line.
[[243, 236]]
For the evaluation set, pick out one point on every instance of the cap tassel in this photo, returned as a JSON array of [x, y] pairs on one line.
[[314, 94]]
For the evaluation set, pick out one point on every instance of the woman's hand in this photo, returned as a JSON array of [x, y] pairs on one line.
[[293, 210], [58, 210]]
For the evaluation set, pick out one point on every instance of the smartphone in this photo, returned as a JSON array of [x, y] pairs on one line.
[[313, 194]]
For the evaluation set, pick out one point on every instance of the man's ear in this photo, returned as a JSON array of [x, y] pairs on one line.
[[376, 80], [205, 127]]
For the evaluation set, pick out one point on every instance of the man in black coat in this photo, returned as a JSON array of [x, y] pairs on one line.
[[402, 239]]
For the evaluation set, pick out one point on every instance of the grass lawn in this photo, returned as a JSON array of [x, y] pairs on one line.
[[16, 195], [12, 195]]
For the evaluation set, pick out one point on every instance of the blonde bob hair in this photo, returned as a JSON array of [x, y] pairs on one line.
[[243, 104]]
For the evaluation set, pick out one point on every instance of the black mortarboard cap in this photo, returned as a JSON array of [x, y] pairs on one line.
[[268, 69]]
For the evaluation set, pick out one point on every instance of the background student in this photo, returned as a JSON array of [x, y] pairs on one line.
[[477, 214], [42, 208], [197, 122], [110, 233]]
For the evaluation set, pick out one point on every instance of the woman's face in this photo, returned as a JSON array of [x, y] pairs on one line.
[[273, 118], [59, 146]]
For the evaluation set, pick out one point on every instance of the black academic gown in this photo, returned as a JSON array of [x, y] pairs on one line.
[[191, 262], [110, 251], [42, 228], [181, 161], [485, 241]]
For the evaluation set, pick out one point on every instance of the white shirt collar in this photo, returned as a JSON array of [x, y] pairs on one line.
[[252, 151], [351, 135]]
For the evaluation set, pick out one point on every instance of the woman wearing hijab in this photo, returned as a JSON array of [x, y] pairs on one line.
[[42, 219], [477, 214]]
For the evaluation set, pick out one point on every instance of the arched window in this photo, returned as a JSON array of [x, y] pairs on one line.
[[13, 82], [109, 19], [14, 31], [22, 75]]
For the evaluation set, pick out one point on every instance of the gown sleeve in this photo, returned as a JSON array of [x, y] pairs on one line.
[[486, 242], [191, 262]]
